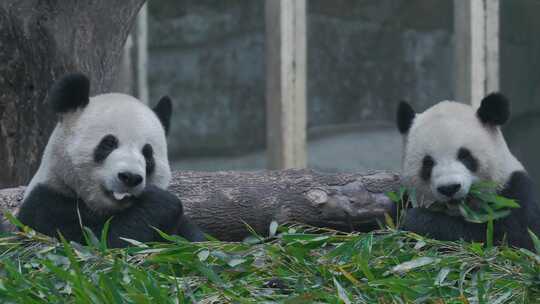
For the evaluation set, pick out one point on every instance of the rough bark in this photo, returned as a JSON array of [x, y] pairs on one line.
[[222, 203], [40, 41]]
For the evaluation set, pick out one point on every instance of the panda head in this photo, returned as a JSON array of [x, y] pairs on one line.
[[452, 145], [107, 148]]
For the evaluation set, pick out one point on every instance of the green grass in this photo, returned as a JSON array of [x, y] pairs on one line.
[[296, 265]]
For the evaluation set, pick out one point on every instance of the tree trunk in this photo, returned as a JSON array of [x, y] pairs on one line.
[[39, 42], [222, 203]]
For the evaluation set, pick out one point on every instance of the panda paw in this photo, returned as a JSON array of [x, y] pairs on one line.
[[429, 223], [152, 197], [166, 212], [157, 208], [441, 226], [416, 220]]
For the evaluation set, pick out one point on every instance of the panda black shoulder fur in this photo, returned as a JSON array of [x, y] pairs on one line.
[[449, 147], [106, 158]]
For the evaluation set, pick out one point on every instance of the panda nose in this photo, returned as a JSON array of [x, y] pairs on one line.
[[449, 190], [130, 179]]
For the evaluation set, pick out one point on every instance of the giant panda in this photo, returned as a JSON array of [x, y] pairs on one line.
[[106, 159], [449, 147]]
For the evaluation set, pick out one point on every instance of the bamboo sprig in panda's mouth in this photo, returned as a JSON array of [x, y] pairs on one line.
[[481, 205], [484, 204]]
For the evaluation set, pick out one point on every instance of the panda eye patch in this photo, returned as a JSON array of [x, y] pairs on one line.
[[427, 166], [107, 144], [465, 156], [148, 154]]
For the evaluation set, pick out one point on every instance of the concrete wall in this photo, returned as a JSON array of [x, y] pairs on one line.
[[209, 57], [363, 56], [520, 79]]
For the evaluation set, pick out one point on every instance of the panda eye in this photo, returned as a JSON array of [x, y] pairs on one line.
[[148, 154], [427, 166], [465, 156], [107, 144]]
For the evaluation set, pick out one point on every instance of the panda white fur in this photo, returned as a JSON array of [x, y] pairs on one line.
[[106, 158], [449, 147]]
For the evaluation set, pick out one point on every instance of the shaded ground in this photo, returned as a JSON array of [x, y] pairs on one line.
[[347, 150]]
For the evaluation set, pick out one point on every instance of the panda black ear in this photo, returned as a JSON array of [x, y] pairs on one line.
[[494, 109], [70, 93], [163, 110], [405, 117]]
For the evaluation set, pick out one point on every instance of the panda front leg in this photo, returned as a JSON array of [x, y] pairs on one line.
[[189, 230], [154, 208], [521, 188], [50, 212], [441, 226]]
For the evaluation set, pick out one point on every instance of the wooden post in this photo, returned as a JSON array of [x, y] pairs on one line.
[[492, 45], [124, 80], [286, 83], [142, 54], [133, 75], [476, 27]]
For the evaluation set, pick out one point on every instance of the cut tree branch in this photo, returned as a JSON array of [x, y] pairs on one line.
[[223, 203]]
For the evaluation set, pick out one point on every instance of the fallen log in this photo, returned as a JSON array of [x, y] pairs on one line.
[[223, 203]]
